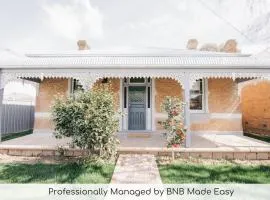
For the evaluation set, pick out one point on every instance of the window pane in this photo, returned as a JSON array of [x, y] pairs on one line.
[[125, 97], [197, 85], [196, 102], [196, 96], [149, 97], [77, 86]]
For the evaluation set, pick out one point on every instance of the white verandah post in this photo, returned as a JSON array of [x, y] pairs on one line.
[[187, 109]]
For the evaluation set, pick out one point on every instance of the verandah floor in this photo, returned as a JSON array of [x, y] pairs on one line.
[[152, 140]]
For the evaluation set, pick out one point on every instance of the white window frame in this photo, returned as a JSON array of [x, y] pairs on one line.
[[204, 98], [72, 90], [138, 83]]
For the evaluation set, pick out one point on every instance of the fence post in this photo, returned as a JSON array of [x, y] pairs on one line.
[[1, 105]]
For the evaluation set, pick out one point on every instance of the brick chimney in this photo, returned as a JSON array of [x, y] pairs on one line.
[[230, 46], [192, 44], [82, 45]]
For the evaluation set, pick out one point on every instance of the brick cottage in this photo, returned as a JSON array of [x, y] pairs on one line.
[[224, 92]]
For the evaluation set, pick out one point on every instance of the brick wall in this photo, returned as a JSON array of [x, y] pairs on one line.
[[222, 98], [216, 124], [166, 87], [255, 105], [163, 88], [222, 94], [48, 88], [115, 86]]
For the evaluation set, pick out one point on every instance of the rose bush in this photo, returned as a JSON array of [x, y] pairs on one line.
[[174, 124]]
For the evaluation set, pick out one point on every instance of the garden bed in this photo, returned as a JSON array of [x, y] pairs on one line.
[[264, 138]]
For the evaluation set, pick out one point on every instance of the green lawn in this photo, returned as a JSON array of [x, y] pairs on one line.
[[183, 172], [56, 173]]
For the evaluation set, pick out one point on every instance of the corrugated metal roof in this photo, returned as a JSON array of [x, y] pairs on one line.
[[133, 52], [143, 60], [136, 58]]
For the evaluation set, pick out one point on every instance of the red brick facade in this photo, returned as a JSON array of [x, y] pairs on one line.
[[221, 98], [48, 89], [255, 103]]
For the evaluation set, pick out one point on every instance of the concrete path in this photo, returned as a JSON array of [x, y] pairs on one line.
[[136, 169]]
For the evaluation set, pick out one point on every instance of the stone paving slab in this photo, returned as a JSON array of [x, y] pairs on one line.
[[136, 169]]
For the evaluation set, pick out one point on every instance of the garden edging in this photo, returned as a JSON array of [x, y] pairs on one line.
[[241, 153]]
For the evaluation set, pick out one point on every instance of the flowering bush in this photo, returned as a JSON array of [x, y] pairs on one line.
[[174, 124]]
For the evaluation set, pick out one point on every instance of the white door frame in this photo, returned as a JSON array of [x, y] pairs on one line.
[[123, 125]]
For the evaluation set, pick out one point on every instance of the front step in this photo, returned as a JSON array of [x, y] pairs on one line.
[[138, 135]]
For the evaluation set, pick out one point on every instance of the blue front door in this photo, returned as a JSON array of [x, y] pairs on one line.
[[136, 107]]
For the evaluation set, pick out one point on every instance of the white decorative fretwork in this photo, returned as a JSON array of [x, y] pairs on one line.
[[87, 79], [232, 75]]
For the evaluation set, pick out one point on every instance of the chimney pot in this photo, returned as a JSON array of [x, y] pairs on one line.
[[192, 44], [82, 45], [230, 46]]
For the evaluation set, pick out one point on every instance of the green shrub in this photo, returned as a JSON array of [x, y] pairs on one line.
[[90, 120]]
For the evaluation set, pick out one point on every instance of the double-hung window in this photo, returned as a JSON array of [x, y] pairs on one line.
[[76, 86], [197, 96]]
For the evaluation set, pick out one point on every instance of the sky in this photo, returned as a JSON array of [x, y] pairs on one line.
[[41, 25], [31, 25]]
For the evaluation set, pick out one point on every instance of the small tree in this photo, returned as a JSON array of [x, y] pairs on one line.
[[90, 120], [174, 124]]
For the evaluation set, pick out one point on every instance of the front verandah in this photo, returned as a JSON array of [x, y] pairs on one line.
[[154, 140], [186, 80], [42, 108], [214, 103]]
